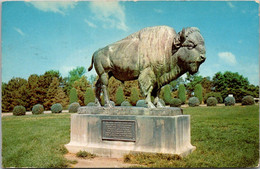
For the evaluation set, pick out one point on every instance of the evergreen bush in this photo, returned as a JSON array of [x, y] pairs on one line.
[[167, 97], [193, 101], [91, 104], [125, 103], [134, 97], [56, 108], [73, 95], [19, 111], [198, 92], [182, 93], [119, 96], [248, 100], [141, 103], [176, 102], [89, 96], [229, 101], [37, 109], [212, 101], [214, 94], [73, 107]]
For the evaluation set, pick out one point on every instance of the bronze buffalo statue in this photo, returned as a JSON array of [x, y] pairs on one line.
[[154, 55]]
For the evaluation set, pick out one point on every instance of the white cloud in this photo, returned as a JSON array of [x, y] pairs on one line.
[[158, 10], [227, 57], [19, 31], [110, 13], [56, 7], [90, 23], [230, 5]]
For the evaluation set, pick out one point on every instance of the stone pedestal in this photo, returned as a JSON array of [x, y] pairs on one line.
[[159, 130]]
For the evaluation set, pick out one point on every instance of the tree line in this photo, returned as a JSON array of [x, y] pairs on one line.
[[51, 88]]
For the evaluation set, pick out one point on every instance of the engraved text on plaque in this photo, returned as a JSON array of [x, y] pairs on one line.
[[121, 130]]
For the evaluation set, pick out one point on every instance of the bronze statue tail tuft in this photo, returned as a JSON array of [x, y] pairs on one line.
[[91, 66]]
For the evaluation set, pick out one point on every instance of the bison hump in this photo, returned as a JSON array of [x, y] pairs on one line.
[[155, 45]]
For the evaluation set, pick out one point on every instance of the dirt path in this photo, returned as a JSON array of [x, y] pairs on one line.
[[97, 162]]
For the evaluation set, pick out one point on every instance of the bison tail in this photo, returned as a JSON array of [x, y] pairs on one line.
[[91, 66]]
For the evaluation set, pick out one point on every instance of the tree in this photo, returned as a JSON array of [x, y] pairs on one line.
[[73, 95], [113, 85], [175, 83], [81, 85], [231, 83], [198, 92], [119, 96], [89, 96], [128, 86], [191, 81], [134, 97], [74, 75], [14, 93], [52, 91], [182, 93], [61, 97]]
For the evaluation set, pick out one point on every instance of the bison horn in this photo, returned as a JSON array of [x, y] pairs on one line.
[[182, 35]]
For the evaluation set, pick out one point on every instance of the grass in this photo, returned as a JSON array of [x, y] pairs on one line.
[[84, 154], [223, 136], [35, 140]]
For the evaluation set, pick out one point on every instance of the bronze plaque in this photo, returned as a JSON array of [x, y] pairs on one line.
[[118, 130]]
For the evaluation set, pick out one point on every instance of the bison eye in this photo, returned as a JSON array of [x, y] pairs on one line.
[[191, 46]]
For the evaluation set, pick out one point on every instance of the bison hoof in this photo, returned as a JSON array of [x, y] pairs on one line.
[[150, 105], [110, 104]]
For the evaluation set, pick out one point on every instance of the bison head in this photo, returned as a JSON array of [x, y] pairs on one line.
[[191, 50]]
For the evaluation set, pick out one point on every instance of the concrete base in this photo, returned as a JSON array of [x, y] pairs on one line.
[[100, 134]]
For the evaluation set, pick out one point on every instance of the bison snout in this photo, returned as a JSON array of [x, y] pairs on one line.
[[202, 58]]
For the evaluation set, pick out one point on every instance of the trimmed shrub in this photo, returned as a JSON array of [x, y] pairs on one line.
[[89, 96], [182, 93], [230, 101], [56, 108], [167, 97], [19, 111], [125, 103], [248, 100], [37, 109], [193, 101], [212, 101], [176, 102], [134, 97], [119, 96], [214, 94], [73, 107], [198, 92], [73, 95], [141, 103]]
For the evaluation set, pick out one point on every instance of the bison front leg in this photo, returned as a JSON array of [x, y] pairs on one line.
[[146, 81]]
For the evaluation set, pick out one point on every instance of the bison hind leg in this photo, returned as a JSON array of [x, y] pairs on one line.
[[98, 92]]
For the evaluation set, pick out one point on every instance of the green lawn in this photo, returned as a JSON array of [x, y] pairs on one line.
[[224, 137], [35, 140]]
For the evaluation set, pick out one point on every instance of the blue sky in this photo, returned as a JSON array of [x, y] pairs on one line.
[[42, 36]]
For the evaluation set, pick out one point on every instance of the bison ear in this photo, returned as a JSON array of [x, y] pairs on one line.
[[182, 35]]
